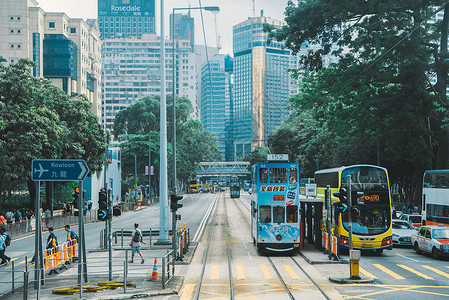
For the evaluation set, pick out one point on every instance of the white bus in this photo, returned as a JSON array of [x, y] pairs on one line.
[[435, 197]]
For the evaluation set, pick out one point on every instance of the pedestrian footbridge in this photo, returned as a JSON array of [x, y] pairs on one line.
[[228, 168]]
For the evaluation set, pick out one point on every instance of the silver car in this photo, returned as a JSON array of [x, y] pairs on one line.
[[402, 231]]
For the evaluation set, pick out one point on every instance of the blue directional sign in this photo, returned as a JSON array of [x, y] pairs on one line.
[[58, 170]]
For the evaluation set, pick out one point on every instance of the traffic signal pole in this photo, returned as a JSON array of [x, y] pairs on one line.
[[350, 213]]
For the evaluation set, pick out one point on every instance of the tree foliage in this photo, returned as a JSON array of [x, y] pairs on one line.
[[133, 125], [375, 104], [40, 121]]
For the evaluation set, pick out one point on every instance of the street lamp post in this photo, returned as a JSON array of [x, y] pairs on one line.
[[214, 9]]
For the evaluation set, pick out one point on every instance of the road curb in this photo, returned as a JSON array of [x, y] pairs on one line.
[[346, 280]]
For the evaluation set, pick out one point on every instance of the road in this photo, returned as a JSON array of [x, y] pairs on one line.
[[226, 261]]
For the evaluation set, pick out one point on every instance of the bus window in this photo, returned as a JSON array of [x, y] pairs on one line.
[[293, 175], [278, 175], [292, 214], [265, 214], [263, 175], [278, 214]]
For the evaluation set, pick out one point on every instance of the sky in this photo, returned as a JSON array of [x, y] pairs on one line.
[[231, 13]]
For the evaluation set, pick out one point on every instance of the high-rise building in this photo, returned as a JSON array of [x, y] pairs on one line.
[[66, 50], [262, 84], [215, 98], [182, 26], [132, 69], [126, 18]]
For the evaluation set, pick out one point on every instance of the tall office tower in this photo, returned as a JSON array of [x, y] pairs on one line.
[[67, 51], [262, 84], [132, 69], [229, 141], [215, 98], [125, 18], [183, 28]]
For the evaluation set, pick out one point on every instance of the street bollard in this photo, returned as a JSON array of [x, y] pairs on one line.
[[354, 257], [25, 285], [122, 237], [12, 282]]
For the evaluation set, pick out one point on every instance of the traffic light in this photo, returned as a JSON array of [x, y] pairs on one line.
[[174, 205], [340, 207], [103, 212], [355, 197], [76, 197], [342, 195]]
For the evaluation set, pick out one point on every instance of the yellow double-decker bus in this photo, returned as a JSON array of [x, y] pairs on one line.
[[371, 221], [194, 186]]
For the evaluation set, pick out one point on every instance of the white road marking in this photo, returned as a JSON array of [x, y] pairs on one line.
[[408, 257]]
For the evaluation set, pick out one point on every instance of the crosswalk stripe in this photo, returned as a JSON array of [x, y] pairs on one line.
[[265, 272], [415, 272], [436, 271], [366, 273], [187, 292], [388, 271], [240, 272], [214, 272], [291, 272]]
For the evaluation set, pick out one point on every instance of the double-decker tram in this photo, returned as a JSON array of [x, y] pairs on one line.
[[234, 187], [274, 206], [435, 198], [371, 218]]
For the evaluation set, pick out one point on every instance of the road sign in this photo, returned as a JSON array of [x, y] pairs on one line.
[[58, 170]]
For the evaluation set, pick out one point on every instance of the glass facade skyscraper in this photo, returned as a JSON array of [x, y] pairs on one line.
[[262, 85], [125, 18], [215, 99]]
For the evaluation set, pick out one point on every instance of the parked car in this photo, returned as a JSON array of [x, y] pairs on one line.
[[415, 220], [402, 232], [432, 239]]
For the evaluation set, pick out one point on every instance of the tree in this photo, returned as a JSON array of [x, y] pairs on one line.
[[258, 155], [42, 122], [194, 144], [376, 101]]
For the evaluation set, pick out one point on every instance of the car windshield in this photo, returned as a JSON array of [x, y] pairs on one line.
[[402, 225], [371, 220], [442, 233], [415, 219]]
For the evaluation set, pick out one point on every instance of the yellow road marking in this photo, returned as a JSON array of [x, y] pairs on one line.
[[415, 272], [291, 272], [22, 262], [214, 272], [366, 273], [388, 271], [265, 272], [240, 272], [436, 271], [187, 293]]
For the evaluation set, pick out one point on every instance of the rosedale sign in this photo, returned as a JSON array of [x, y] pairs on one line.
[[125, 8]]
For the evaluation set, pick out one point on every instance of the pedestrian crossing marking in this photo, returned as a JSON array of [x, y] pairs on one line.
[[388, 271], [366, 273], [291, 272], [415, 272], [436, 271], [214, 272], [265, 272], [240, 272]]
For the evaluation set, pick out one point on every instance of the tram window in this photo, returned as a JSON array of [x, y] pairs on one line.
[[278, 175], [292, 214], [263, 175], [278, 214], [265, 214], [293, 175]]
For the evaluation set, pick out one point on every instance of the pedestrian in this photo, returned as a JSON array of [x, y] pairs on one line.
[[136, 239], [3, 244], [71, 235], [47, 214], [17, 216], [2, 221], [9, 217], [52, 240]]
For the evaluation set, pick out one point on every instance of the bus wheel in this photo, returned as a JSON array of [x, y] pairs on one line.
[[417, 248], [435, 253]]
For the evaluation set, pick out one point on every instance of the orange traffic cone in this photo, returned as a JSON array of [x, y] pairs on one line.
[[155, 274], [43, 225]]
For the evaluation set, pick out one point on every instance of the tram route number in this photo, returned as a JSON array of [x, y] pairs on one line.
[[371, 198], [278, 229]]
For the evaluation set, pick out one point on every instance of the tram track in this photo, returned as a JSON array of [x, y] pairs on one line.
[[206, 253], [275, 268]]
